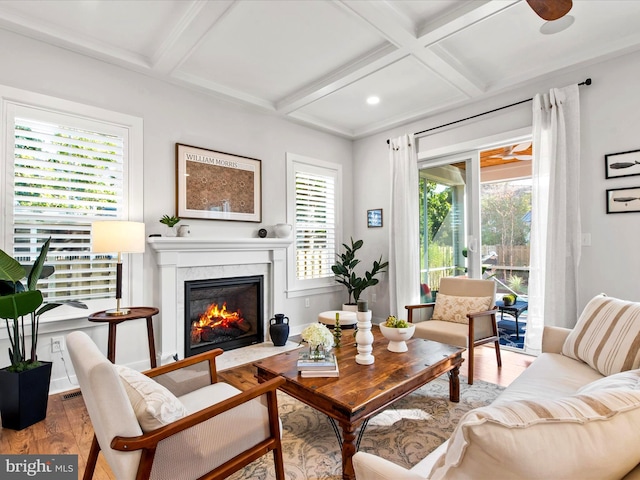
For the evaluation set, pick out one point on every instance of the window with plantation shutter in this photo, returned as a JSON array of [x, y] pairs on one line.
[[64, 172], [314, 209]]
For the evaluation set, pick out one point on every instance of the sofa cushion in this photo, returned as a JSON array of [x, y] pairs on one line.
[[607, 335], [153, 404], [550, 376], [451, 308], [580, 436], [629, 379]]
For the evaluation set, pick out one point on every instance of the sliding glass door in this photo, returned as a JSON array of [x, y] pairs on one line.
[[449, 219]]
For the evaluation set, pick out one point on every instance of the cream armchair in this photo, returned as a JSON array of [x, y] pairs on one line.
[[463, 314], [175, 421]]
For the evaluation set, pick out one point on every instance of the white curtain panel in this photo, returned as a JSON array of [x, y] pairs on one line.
[[555, 214], [404, 238]]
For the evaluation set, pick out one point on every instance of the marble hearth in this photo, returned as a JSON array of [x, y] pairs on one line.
[[183, 259]]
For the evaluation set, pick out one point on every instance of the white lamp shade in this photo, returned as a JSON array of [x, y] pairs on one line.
[[117, 236]]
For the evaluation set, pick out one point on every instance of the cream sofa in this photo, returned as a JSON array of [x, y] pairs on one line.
[[574, 413]]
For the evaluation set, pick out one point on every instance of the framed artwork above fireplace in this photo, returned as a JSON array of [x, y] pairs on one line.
[[218, 186]]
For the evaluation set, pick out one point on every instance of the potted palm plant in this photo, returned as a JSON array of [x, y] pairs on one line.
[[344, 270], [25, 382]]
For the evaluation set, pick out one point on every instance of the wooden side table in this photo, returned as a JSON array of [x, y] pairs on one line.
[[134, 314]]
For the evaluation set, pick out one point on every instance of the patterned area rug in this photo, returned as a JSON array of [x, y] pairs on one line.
[[404, 433]]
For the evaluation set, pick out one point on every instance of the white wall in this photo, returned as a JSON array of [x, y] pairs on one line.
[[174, 115], [610, 118]]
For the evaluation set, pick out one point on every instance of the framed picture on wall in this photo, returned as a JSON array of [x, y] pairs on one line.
[[624, 164], [218, 186], [623, 200], [374, 218]]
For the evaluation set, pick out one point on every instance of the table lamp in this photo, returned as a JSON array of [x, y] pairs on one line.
[[117, 236]]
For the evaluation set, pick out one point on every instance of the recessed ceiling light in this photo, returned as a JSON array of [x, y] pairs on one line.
[[373, 100], [556, 26]]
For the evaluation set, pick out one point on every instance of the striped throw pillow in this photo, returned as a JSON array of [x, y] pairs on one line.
[[607, 336], [581, 436]]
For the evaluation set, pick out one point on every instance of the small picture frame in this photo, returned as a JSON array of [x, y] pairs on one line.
[[374, 218], [623, 164], [623, 200]]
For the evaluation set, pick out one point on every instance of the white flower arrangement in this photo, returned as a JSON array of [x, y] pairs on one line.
[[318, 334]]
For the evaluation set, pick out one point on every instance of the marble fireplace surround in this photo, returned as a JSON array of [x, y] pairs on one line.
[[181, 259]]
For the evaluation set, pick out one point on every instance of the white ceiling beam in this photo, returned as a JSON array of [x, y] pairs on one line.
[[383, 19], [188, 33], [341, 78], [204, 85], [68, 40], [306, 119], [460, 19]]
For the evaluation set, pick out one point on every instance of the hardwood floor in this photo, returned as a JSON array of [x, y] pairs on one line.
[[67, 428]]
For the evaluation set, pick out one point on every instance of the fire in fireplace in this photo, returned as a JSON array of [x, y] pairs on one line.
[[223, 313]]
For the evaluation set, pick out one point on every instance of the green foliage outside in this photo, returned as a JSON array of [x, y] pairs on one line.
[[437, 205], [504, 205], [504, 209]]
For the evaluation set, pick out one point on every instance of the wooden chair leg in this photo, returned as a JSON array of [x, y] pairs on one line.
[[279, 463], [92, 459], [498, 357], [471, 364]]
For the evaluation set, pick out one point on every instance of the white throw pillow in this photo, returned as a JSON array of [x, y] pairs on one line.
[[629, 379], [580, 436], [451, 308], [606, 336], [153, 404]]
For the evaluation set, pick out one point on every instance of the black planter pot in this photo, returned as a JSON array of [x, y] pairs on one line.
[[24, 396]]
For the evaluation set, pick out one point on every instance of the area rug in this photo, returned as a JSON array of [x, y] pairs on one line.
[[404, 433]]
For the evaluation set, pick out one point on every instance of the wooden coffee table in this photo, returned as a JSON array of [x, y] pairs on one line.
[[362, 391]]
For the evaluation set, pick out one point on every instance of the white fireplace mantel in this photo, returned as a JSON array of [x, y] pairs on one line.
[[191, 258]]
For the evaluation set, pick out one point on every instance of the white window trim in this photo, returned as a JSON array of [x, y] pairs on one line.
[[132, 291], [299, 288]]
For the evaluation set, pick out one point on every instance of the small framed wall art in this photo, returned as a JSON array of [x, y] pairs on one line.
[[623, 200], [623, 164], [218, 186], [374, 218]]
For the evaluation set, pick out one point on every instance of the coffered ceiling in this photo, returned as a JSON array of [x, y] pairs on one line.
[[317, 61]]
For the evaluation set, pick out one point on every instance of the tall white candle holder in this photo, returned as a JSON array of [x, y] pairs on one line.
[[364, 337]]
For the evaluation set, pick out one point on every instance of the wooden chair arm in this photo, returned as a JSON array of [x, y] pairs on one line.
[[209, 356], [411, 308], [491, 312], [151, 439]]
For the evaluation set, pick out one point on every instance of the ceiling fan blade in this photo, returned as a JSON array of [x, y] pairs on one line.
[[522, 146], [551, 9], [523, 157]]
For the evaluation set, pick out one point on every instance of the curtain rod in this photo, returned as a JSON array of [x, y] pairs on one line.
[[586, 82]]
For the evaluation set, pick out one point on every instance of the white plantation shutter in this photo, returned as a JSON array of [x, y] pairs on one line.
[[313, 206], [67, 173], [315, 225]]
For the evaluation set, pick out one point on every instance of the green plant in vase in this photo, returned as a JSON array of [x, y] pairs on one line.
[[170, 221], [344, 271]]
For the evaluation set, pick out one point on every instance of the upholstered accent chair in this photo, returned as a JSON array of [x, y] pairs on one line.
[[174, 421], [464, 314]]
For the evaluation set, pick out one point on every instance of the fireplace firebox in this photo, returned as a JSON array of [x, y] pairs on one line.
[[223, 313]]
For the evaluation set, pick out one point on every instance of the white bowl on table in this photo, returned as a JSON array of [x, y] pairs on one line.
[[397, 337]]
